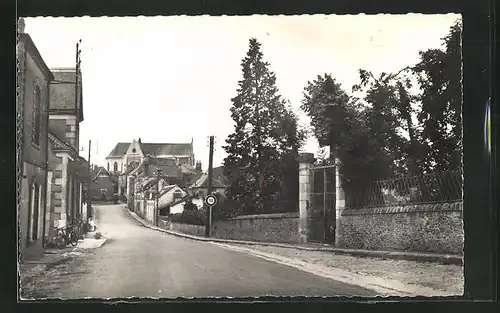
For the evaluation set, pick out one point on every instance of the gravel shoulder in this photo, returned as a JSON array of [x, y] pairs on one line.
[[437, 276]]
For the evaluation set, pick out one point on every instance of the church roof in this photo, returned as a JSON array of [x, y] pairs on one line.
[[153, 149]]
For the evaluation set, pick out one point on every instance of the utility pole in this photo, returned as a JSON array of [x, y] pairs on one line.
[[208, 228], [158, 173], [77, 77], [89, 197]]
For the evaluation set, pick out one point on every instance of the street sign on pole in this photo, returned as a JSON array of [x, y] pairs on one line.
[[211, 200]]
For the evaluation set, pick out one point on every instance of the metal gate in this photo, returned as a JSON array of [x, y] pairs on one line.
[[322, 208]]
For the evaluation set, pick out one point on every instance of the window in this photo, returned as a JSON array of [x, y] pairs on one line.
[[115, 167], [34, 202], [35, 134], [177, 195], [108, 167], [133, 150]]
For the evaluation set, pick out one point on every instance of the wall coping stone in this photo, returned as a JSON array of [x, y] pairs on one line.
[[306, 157], [435, 207], [177, 223], [266, 216]]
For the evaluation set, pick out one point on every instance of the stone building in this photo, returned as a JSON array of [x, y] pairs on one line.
[[72, 171], [70, 176], [32, 105], [104, 185], [126, 152]]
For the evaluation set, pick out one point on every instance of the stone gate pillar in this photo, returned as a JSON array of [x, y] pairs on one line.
[[339, 203], [306, 161]]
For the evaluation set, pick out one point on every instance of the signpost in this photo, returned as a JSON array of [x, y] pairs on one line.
[[210, 201], [208, 228]]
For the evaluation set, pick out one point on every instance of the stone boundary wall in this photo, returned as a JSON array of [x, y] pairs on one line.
[[195, 230], [277, 227], [434, 228]]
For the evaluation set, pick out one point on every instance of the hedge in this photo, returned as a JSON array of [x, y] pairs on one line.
[[193, 217]]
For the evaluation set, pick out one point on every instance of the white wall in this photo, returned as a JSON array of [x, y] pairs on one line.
[[169, 196], [111, 162]]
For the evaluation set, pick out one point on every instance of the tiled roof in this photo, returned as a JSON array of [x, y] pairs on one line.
[[218, 172], [153, 149], [188, 169], [103, 171], [57, 144], [167, 189], [150, 181], [168, 167], [119, 150], [203, 181], [130, 167], [62, 90]]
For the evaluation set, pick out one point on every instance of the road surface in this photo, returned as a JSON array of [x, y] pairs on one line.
[[140, 262]]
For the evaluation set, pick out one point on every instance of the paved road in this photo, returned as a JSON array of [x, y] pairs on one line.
[[140, 262]]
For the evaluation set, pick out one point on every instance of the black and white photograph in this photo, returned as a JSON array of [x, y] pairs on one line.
[[165, 157]]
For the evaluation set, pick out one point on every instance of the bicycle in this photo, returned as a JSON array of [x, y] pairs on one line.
[[65, 236]]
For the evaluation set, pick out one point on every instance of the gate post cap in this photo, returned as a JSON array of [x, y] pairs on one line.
[[306, 157]]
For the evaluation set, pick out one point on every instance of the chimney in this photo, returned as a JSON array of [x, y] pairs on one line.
[[21, 25], [139, 141], [198, 167]]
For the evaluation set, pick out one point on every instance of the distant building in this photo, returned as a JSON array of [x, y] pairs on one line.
[[219, 183], [104, 185], [125, 153], [126, 156]]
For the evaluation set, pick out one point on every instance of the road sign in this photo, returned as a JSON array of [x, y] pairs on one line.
[[211, 200]]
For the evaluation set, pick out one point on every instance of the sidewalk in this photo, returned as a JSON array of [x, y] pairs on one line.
[[32, 269], [376, 270]]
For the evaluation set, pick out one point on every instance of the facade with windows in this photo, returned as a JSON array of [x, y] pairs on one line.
[[32, 108], [72, 171]]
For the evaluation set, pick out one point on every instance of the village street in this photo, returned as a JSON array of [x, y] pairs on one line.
[[140, 262]]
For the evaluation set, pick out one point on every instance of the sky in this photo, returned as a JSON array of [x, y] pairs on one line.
[[171, 79]]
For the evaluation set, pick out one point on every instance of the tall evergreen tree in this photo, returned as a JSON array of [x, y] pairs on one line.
[[265, 134]]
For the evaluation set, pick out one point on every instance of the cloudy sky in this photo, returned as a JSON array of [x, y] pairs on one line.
[[170, 79]]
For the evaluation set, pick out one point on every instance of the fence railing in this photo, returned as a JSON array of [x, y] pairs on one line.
[[424, 189]]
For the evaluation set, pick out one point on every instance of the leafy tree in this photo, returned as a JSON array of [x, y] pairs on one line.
[[343, 124], [439, 76], [265, 135]]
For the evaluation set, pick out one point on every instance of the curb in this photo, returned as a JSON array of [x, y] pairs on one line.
[[383, 286], [422, 257]]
